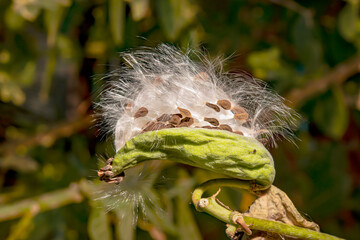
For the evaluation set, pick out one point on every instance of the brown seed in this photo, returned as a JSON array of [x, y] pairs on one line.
[[225, 104], [262, 131], [164, 118], [202, 76], [115, 180], [239, 132], [186, 122], [100, 173], [189, 120], [184, 112], [109, 177], [212, 121], [141, 112], [106, 168], [158, 81], [225, 127], [153, 126], [241, 116], [175, 119], [264, 141], [128, 107], [213, 106], [238, 110], [179, 115], [108, 174], [149, 126], [254, 151], [109, 161], [159, 126]]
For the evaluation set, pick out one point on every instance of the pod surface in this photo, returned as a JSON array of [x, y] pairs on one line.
[[216, 150]]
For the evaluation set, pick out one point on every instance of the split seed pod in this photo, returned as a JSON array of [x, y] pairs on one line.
[[193, 99]]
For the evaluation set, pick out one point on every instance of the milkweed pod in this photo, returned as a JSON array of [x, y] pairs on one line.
[[244, 158]]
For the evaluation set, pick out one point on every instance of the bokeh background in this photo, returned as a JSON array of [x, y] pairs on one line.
[[53, 55]]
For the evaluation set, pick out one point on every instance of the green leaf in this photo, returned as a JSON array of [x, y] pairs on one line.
[[28, 73], [48, 76], [10, 90], [174, 16], [117, 20], [139, 8], [156, 215], [186, 223], [348, 17], [263, 62], [125, 226], [53, 19], [307, 44], [331, 115], [98, 224], [22, 228], [13, 20]]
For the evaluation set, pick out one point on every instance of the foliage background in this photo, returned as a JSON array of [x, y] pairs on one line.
[[52, 57]]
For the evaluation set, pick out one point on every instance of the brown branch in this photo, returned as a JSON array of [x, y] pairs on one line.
[[337, 76], [154, 232], [48, 137], [75, 193], [292, 5]]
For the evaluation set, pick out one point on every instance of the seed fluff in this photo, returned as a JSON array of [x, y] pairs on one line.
[[163, 88]]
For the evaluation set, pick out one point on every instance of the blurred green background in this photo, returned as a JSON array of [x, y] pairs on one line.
[[54, 53]]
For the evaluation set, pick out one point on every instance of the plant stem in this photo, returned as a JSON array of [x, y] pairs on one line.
[[75, 193], [212, 207]]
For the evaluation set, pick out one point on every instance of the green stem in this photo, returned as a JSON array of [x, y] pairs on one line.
[[212, 207], [75, 193]]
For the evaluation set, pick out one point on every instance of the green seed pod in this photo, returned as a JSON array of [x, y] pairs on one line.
[[216, 150]]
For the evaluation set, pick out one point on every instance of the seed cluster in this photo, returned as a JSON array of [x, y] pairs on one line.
[[181, 119], [106, 174], [185, 119], [156, 81]]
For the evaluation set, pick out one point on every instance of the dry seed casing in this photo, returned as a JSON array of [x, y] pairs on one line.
[[184, 112], [212, 121], [225, 104], [141, 112], [213, 106], [241, 116]]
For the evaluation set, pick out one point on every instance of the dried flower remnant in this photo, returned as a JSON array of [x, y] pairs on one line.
[[106, 174]]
